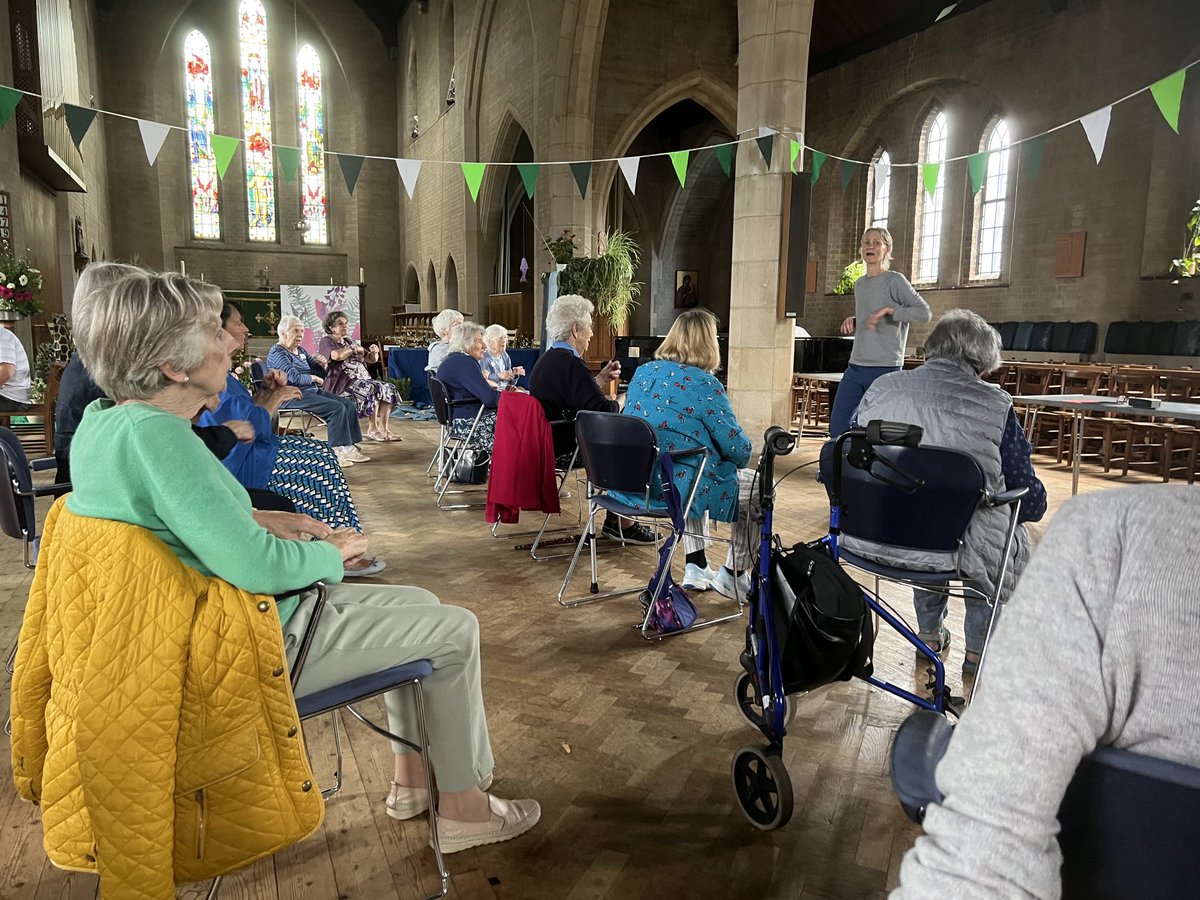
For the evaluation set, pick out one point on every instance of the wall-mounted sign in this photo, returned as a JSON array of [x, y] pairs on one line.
[[5, 221]]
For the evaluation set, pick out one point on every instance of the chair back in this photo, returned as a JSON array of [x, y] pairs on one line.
[[441, 403], [258, 372], [16, 511], [619, 452], [926, 503]]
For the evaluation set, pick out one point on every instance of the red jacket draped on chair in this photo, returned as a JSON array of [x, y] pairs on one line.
[[522, 475]]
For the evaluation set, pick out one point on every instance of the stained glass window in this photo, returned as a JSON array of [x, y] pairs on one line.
[[929, 206], [990, 244], [206, 208], [312, 145], [256, 114]]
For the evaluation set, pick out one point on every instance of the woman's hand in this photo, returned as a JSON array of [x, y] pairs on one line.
[[317, 380], [272, 400], [518, 371], [848, 325], [877, 315], [291, 526], [350, 543], [321, 360], [242, 430], [610, 372]]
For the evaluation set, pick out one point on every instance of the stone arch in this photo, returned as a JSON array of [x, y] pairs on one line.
[[412, 286], [512, 144], [451, 281], [431, 285]]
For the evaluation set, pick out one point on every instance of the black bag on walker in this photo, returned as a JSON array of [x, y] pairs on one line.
[[823, 631]]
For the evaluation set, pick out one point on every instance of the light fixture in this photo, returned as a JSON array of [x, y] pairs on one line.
[[302, 226], [416, 129], [423, 6], [450, 90]]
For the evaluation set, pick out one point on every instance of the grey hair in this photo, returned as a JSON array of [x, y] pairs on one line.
[[965, 336], [462, 338], [286, 324], [568, 311], [444, 321], [494, 332], [144, 321], [95, 277]]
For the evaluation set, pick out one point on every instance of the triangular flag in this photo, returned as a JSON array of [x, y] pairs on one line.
[[794, 148], [945, 12], [818, 160], [977, 166], [410, 169], [153, 135], [289, 161], [849, 169], [529, 174], [223, 149], [473, 173], [79, 120], [582, 172], [1095, 126], [725, 158], [1031, 156], [766, 146], [883, 171], [9, 98], [929, 174], [1166, 94], [351, 166], [629, 168], [679, 159]]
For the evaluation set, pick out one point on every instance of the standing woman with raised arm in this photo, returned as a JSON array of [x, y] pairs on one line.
[[884, 305]]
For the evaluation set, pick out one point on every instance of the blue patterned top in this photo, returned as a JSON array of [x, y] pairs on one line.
[[688, 407]]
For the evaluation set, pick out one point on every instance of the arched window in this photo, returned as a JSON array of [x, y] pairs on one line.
[[312, 142], [256, 116], [929, 206], [989, 209], [206, 208], [879, 190]]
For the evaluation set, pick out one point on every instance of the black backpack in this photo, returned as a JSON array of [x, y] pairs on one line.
[[822, 626]]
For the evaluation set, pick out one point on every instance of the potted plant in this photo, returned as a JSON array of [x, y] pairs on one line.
[[607, 278], [20, 286], [1189, 264], [850, 274]]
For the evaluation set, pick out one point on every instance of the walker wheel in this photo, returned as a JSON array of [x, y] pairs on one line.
[[763, 787], [751, 709]]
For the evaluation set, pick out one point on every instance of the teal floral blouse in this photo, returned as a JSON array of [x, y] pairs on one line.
[[688, 408]]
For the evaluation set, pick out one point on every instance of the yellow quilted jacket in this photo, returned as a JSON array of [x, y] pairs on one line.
[[152, 715]]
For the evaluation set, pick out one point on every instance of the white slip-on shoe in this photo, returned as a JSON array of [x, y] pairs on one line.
[[696, 578], [374, 567], [723, 583], [407, 803], [509, 819]]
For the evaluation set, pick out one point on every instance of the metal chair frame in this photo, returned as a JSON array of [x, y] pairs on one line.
[[451, 449]]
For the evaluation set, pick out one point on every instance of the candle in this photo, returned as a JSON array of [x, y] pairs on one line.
[[362, 275], [182, 267]]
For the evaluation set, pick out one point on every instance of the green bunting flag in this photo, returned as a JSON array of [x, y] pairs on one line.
[[79, 120], [977, 166], [289, 161], [351, 167], [848, 171], [794, 150], [582, 172], [1167, 94], [1031, 156], [766, 146], [679, 159], [929, 174], [818, 160], [473, 173], [223, 149], [529, 175], [9, 98], [725, 158]]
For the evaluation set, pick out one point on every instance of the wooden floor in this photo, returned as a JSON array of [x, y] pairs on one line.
[[626, 744]]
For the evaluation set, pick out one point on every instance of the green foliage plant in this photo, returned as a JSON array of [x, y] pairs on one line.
[[1189, 264], [856, 270], [606, 279]]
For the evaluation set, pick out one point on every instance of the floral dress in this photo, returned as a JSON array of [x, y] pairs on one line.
[[349, 378]]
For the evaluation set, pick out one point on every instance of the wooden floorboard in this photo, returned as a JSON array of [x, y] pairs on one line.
[[626, 743]]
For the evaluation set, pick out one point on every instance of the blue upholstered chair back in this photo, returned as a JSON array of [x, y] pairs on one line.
[[619, 452]]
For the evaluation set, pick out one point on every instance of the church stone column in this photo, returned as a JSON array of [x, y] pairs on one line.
[[772, 80]]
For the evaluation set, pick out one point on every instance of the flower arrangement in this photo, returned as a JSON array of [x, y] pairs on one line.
[[20, 284], [241, 365], [563, 248]]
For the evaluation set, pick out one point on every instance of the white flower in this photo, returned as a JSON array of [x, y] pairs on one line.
[[2, 276], [11, 286], [24, 281]]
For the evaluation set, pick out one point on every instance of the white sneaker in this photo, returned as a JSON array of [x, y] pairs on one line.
[[696, 578], [723, 583], [355, 455], [343, 460]]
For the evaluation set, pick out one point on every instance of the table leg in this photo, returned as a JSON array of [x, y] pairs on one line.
[[1076, 452], [808, 389]]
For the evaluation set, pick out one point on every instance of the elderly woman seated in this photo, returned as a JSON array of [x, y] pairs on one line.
[[304, 470], [463, 379], [443, 323], [680, 397], [158, 349], [563, 384], [949, 399], [348, 376], [497, 366], [339, 413]]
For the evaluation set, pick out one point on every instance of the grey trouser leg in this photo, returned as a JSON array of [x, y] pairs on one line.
[[366, 628], [738, 557]]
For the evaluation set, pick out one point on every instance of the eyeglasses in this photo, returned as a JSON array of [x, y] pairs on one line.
[[873, 244]]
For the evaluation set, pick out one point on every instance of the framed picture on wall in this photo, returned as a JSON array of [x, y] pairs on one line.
[[687, 289]]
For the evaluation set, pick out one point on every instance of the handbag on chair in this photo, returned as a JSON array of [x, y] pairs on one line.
[[673, 611], [472, 467]]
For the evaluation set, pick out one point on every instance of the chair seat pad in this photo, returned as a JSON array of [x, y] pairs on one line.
[[657, 509], [886, 571], [368, 685]]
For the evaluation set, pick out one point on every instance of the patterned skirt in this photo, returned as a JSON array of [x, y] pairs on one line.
[[485, 433], [368, 393], [307, 473]]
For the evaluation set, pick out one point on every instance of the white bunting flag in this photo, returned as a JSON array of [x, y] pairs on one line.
[[945, 12], [629, 168], [882, 170], [1095, 125], [409, 170], [765, 131], [153, 135]]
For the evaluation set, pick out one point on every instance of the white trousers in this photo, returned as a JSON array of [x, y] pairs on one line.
[[738, 557]]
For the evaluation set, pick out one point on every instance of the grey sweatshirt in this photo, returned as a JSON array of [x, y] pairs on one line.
[[884, 344], [1096, 647]]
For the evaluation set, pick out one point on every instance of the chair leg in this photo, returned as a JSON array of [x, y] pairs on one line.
[[11, 659], [214, 888], [337, 750], [431, 788]]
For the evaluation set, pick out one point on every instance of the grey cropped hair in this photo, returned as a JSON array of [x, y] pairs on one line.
[[462, 338], [444, 321], [286, 324], [965, 335], [568, 311]]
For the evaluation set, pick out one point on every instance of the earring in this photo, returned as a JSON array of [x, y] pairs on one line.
[[186, 378]]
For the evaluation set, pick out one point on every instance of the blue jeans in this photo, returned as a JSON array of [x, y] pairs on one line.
[[931, 611], [339, 413], [850, 393]]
